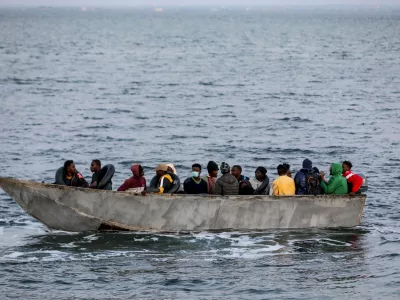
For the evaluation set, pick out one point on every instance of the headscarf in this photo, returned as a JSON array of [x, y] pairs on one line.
[[225, 168], [262, 170], [170, 165]]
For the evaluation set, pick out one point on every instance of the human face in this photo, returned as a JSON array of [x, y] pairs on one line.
[[196, 169], [236, 172], [94, 167], [259, 175], [345, 168], [160, 173], [214, 173], [71, 169]]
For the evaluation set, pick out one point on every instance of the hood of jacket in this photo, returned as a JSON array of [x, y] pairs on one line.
[[228, 178], [135, 170], [337, 169]]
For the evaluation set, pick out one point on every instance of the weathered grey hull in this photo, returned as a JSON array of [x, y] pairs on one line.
[[76, 209]]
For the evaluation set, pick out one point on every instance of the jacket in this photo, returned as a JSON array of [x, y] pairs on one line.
[[226, 185], [77, 180], [354, 181], [261, 187], [210, 183], [283, 186], [337, 184], [136, 181], [245, 187]]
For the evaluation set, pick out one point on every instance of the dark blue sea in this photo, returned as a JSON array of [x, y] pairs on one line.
[[255, 87]]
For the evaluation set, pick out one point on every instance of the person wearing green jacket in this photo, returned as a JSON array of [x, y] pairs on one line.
[[337, 184]]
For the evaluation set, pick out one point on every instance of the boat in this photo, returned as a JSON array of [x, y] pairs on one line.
[[78, 209]]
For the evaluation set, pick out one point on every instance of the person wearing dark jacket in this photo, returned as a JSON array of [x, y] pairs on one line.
[[195, 184], [98, 175], [72, 177], [262, 182], [227, 184], [136, 182], [245, 187], [300, 179]]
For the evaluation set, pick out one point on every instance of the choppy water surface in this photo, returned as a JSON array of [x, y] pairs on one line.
[[248, 87]]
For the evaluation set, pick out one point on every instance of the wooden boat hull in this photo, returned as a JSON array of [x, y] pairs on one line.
[[77, 209]]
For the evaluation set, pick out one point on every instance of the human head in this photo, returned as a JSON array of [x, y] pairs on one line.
[[69, 167], [347, 166], [281, 170], [288, 171], [336, 169], [307, 164], [95, 166], [225, 168], [161, 170], [196, 170], [260, 173], [212, 169], [236, 171], [171, 168], [137, 170]]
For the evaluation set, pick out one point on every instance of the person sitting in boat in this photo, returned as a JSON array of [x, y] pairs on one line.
[[98, 175], [307, 180], [289, 171], [164, 180], [71, 176], [195, 184], [245, 187], [354, 181], [337, 184], [227, 184], [136, 183], [283, 185], [211, 177], [261, 182]]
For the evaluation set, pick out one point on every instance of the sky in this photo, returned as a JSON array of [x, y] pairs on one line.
[[195, 2]]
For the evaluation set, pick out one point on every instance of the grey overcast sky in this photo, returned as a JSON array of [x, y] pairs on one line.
[[196, 2]]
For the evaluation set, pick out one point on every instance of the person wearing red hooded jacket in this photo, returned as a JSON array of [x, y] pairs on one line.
[[354, 181], [137, 181]]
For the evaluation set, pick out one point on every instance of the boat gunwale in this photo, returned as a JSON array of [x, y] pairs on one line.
[[170, 196]]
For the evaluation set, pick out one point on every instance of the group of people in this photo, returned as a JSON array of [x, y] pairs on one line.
[[307, 181]]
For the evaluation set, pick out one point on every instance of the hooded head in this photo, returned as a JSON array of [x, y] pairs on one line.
[[260, 173], [171, 168], [337, 169], [225, 168], [137, 170], [307, 164]]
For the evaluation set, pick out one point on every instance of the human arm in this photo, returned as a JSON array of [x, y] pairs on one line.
[[356, 182], [263, 187], [275, 190], [218, 188], [124, 186], [81, 181], [331, 186]]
